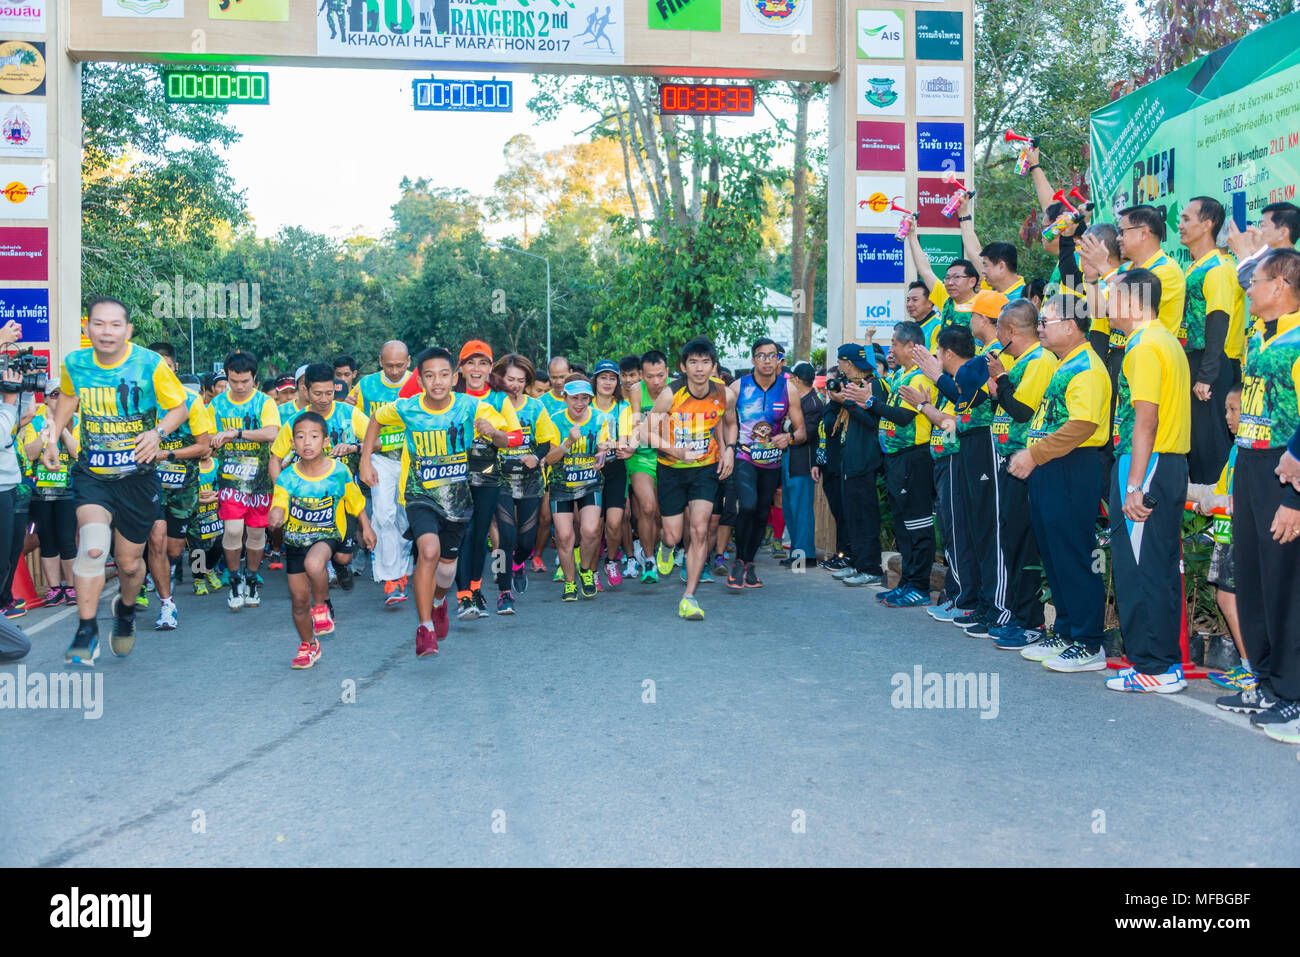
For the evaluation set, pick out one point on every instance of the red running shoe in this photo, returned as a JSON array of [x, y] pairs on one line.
[[538, 564], [322, 622], [425, 643], [441, 622], [308, 652]]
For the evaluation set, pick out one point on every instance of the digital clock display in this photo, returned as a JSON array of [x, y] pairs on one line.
[[476, 96], [205, 86], [705, 99]]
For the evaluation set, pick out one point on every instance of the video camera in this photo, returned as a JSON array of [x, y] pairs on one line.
[[33, 369]]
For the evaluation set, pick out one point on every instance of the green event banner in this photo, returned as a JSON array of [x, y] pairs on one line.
[[942, 249], [702, 15], [1225, 126]]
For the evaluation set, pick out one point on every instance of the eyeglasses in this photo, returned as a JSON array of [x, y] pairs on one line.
[[769, 356], [1255, 279], [1124, 229], [1044, 323]]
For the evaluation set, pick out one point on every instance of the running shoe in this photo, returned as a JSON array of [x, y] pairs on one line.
[[613, 574], [778, 548], [441, 622], [277, 563], [690, 609], [394, 593], [968, 618], [122, 639], [15, 609], [480, 603], [1282, 712], [539, 566], [706, 575], [736, 577], [235, 600], [142, 600], [426, 641], [884, 596], [570, 592], [1238, 679], [322, 622], [308, 653], [863, 578], [664, 559], [85, 645], [979, 629], [1075, 658], [588, 580], [679, 556], [1015, 638], [465, 610], [69, 595], [631, 568], [751, 576], [945, 612], [251, 598], [559, 573], [1288, 732], [719, 567], [519, 578], [345, 575], [148, 581], [1252, 700], [848, 571], [1169, 681], [505, 603], [649, 574], [599, 588], [215, 582], [201, 586], [1048, 647], [908, 597], [54, 596], [166, 616]]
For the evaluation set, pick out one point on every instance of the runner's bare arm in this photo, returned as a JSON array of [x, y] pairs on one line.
[[367, 470]]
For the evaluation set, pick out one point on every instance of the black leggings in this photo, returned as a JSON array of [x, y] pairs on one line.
[[56, 526], [13, 532], [517, 528], [474, 550], [755, 492]]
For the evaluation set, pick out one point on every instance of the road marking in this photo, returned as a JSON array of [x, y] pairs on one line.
[[57, 617], [1214, 711]]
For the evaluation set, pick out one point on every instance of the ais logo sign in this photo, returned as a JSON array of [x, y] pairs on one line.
[[880, 34]]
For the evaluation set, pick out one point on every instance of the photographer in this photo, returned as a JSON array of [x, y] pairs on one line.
[[858, 398], [13, 643]]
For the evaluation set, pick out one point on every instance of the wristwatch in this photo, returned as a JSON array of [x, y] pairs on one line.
[[964, 219], [1130, 489]]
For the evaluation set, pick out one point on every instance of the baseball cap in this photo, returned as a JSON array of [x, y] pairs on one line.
[[803, 371], [605, 365], [988, 303], [578, 387], [855, 353], [475, 347], [283, 383], [302, 371]]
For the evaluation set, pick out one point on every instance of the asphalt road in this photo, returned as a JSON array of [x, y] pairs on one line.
[[768, 737]]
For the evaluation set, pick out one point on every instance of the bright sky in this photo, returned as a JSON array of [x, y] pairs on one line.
[[332, 146]]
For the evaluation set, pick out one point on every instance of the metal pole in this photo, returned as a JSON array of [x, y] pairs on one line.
[[548, 312], [192, 372]]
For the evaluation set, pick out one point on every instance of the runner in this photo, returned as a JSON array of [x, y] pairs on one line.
[[178, 456], [439, 426], [553, 402], [118, 388], [248, 423], [694, 430], [476, 381], [521, 481], [642, 467], [315, 501], [610, 403], [391, 561], [763, 406], [205, 531], [52, 508], [576, 483]]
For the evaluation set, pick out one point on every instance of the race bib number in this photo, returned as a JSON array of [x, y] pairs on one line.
[[444, 472], [172, 477], [580, 472], [391, 441], [47, 479], [313, 518], [112, 461], [692, 442], [764, 454], [239, 469]]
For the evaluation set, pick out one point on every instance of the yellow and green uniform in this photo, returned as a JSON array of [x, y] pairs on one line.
[[949, 311], [931, 328], [46, 483], [183, 474], [1079, 390], [344, 425], [243, 461], [1270, 380], [942, 442], [316, 507], [896, 438], [1211, 286], [1172, 290], [972, 416], [1029, 374], [1154, 370], [118, 403], [483, 459], [375, 390], [205, 526], [539, 434], [435, 456], [576, 475], [693, 425]]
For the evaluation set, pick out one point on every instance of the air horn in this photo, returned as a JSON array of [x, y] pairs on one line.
[[1022, 161], [950, 207], [904, 224], [1059, 224]]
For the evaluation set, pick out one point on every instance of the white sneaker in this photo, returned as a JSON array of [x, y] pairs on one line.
[[166, 616], [1077, 658], [235, 600], [1042, 650], [333, 575], [631, 568], [638, 553], [1130, 679]]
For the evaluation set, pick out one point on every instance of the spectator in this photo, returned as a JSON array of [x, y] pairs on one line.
[[854, 427], [797, 469]]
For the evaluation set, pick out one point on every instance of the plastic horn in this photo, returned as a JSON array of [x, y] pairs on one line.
[[1067, 218], [950, 207], [1022, 161], [904, 224], [1013, 137], [1084, 203]]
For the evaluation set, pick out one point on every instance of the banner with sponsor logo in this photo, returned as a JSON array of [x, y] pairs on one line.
[[494, 31], [267, 11], [24, 192], [939, 35], [22, 67], [940, 91], [874, 196], [881, 90], [880, 34], [22, 128], [22, 16], [1226, 126], [30, 308], [880, 146], [879, 258], [941, 146], [941, 249], [877, 309], [702, 15], [24, 254], [932, 194], [776, 16]]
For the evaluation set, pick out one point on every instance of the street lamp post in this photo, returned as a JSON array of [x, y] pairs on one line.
[[524, 252]]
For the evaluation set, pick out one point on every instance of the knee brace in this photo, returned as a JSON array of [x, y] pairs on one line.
[[233, 536], [445, 575], [95, 536], [256, 539]]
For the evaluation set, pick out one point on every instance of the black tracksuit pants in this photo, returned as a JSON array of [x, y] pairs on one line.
[[862, 521], [833, 486], [909, 476], [1019, 549], [981, 504], [1211, 439]]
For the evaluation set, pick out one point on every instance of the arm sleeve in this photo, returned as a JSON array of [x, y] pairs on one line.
[[1294, 445], [1063, 441], [1007, 399], [948, 388], [283, 443], [1071, 273], [1216, 334], [65, 382]]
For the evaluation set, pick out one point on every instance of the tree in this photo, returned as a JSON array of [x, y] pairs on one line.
[[519, 191]]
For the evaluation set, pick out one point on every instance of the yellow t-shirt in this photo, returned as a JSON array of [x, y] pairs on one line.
[[1155, 370], [340, 413], [1172, 289], [1079, 391]]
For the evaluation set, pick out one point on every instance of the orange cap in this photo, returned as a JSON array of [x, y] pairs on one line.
[[475, 347], [989, 303]]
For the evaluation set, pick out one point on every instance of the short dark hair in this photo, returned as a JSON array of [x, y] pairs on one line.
[[188, 378], [1022, 314], [1211, 209], [1284, 263], [240, 361], [1069, 307], [1053, 211], [959, 340], [909, 331], [428, 355], [629, 364], [917, 284], [1000, 252], [318, 372], [164, 349], [1284, 214], [313, 418], [699, 346], [1142, 284], [541, 375], [1107, 235], [107, 300], [967, 265], [1234, 388], [1034, 287], [653, 358], [1148, 216], [347, 361], [267, 386], [762, 341], [577, 367]]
